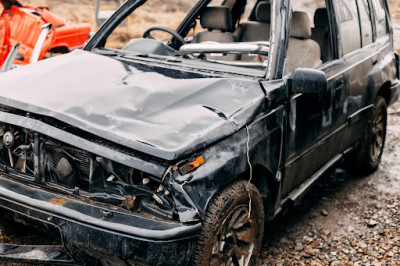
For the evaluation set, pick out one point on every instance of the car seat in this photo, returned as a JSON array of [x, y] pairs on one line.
[[302, 51], [320, 33], [218, 22]]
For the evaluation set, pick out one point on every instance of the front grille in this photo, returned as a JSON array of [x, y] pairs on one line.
[[82, 157], [67, 165]]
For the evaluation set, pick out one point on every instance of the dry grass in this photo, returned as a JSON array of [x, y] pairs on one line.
[[152, 13]]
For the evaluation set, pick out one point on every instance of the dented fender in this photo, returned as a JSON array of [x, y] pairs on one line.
[[260, 142]]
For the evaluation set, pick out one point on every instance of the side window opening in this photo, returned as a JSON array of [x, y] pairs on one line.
[[365, 22], [310, 43], [349, 25], [345, 13], [380, 18], [250, 21]]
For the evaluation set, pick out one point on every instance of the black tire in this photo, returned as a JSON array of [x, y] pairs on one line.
[[227, 231], [367, 157]]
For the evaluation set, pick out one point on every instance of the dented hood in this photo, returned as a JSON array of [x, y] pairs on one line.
[[164, 112]]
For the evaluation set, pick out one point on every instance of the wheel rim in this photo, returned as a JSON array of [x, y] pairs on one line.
[[378, 137], [235, 240]]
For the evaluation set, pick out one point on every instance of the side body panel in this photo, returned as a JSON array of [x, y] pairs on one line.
[[316, 124], [370, 71]]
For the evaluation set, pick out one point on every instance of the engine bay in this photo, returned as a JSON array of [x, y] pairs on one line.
[[52, 163]]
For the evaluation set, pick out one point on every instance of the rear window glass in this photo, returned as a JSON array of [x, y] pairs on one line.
[[349, 25], [344, 13], [366, 24], [380, 18]]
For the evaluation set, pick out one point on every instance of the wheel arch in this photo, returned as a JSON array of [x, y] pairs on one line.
[[384, 91], [264, 180]]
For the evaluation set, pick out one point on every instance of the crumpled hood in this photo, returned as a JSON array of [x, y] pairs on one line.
[[160, 111]]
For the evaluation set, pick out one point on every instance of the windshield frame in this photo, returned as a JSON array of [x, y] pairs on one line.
[[100, 37]]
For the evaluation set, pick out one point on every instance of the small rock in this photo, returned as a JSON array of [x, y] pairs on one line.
[[284, 240], [372, 223], [326, 232], [308, 239], [324, 212], [311, 251], [298, 247]]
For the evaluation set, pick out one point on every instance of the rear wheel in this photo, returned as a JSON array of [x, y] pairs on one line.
[[233, 227], [367, 157]]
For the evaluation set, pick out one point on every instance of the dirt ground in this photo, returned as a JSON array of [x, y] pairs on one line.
[[344, 220]]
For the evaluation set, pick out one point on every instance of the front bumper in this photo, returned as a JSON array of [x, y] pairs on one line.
[[394, 92], [109, 234]]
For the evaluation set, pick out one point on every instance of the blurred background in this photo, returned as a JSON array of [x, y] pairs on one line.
[[170, 12]]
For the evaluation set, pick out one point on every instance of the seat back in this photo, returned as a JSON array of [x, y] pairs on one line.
[[259, 30], [320, 33], [302, 51], [218, 22], [237, 8]]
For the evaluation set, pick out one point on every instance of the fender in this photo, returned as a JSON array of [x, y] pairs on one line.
[[258, 145]]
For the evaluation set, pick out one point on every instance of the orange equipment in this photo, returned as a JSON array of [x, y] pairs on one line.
[[22, 24]]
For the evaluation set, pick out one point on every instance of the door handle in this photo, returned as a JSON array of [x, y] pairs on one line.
[[339, 85], [338, 91]]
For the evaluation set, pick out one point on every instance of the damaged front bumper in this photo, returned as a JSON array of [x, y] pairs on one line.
[[109, 234]]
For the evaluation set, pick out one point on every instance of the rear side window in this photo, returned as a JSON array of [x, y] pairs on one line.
[[349, 25], [380, 18], [366, 24]]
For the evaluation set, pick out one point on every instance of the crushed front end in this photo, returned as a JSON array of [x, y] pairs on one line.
[[106, 201]]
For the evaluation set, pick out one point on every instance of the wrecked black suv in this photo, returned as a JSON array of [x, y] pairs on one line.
[[176, 150]]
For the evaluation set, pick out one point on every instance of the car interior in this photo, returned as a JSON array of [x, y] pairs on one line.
[[309, 46], [249, 23]]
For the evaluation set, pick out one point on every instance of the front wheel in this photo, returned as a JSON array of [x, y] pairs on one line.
[[367, 157], [233, 227]]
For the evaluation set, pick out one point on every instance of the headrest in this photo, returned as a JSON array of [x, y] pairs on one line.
[[321, 18], [301, 28], [237, 8], [263, 12], [217, 18]]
